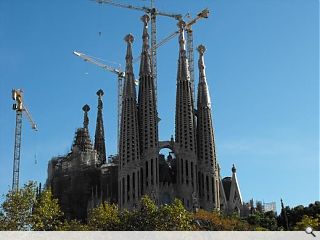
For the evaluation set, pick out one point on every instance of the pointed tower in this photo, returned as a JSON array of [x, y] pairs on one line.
[[85, 109], [185, 130], [82, 141], [235, 201], [148, 121], [231, 188], [99, 141], [207, 163], [129, 153]]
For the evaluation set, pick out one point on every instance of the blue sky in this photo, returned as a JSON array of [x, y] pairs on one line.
[[262, 64]]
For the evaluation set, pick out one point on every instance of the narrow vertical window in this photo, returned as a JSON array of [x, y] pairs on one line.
[[123, 195], [151, 171], [133, 185], [128, 187], [197, 174], [187, 172], [207, 187], [141, 181], [192, 181], [147, 171], [138, 183], [213, 189], [181, 170], [157, 180], [202, 176], [199, 185]]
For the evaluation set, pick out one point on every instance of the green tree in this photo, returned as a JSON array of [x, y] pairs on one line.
[[296, 214], [127, 220], [174, 217], [104, 217], [73, 225], [215, 221], [144, 218], [16, 210], [263, 221], [307, 221], [149, 217], [46, 215]]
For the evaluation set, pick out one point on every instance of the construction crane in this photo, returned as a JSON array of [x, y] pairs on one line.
[[120, 75], [153, 12], [203, 14], [19, 107], [190, 55]]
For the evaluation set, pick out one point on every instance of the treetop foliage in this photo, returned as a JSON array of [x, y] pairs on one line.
[[28, 209]]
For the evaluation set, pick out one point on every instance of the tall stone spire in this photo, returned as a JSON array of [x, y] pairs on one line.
[[185, 128], [208, 170], [148, 120], [129, 152], [183, 65], [145, 64], [99, 141], [203, 91], [129, 84]]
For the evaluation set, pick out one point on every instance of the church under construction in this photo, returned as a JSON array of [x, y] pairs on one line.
[[84, 178]]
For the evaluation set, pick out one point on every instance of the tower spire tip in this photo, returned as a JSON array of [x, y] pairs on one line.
[[86, 109], [145, 19], [201, 49], [129, 38], [100, 93], [233, 168]]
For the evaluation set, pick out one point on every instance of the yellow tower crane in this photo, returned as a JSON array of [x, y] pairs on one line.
[[19, 107]]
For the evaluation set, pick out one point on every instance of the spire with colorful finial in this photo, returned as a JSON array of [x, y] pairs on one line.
[[129, 84], [145, 64], [183, 65], [203, 90], [86, 109], [99, 140]]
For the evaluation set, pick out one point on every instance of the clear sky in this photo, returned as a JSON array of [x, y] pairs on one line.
[[262, 64]]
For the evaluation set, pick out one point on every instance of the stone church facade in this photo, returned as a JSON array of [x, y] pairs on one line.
[[84, 178]]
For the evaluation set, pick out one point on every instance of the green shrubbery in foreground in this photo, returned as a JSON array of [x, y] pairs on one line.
[[27, 209]]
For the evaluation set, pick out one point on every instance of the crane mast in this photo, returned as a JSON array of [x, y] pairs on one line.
[[120, 75], [190, 55], [17, 148], [153, 12], [19, 108], [203, 14]]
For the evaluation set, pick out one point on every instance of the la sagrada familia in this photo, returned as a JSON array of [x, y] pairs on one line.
[[84, 178]]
